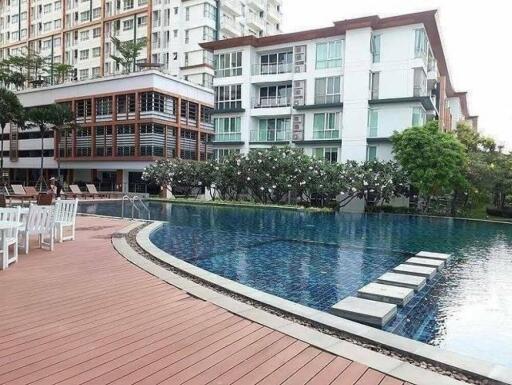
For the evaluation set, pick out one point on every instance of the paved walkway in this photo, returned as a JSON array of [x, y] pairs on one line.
[[83, 314]]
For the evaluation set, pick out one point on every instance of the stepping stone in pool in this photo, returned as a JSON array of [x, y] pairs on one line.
[[410, 281], [437, 263], [421, 271], [365, 311], [385, 293], [429, 254]]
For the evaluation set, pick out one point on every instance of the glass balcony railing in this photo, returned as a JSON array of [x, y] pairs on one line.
[[270, 135], [228, 137], [272, 102], [326, 134], [272, 68], [327, 99]]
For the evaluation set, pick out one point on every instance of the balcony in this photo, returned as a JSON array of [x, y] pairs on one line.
[[272, 68], [274, 14], [222, 137], [232, 7], [229, 27], [326, 134], [256, 4], [272, 102], [270, 135], [256, 22]]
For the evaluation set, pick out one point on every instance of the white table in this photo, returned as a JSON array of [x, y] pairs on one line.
[[5, 226]]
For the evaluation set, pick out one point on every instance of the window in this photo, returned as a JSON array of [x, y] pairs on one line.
[[104, 141], [187, 13], [125, 140], [272, 130], [95, 72], [96, 32], [152, 139], [154, 101], [47, 26], [142, 20], [96, 13], [57, 5], [222, 154], [104, 106], [83, 141], [210, 12], [228, 97], [128, 4], [276, 63], [375, 48], [125, 105], [329, 54], [84, 35], [228, 129], [85, 16], [420, 43], [84, 54], [374, 85], [208, 34], [228, 64], [47, 8], [420, 82], [373, 123], [371, 153], [327, 125], [127, 24], [56, 43], [328, 90], [275, 96], [96, 52], [329, 154], [419, 117]]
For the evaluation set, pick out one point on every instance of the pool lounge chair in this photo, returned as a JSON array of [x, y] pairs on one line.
[[95, 193], [20, 193], [76, 192], [31, 190]]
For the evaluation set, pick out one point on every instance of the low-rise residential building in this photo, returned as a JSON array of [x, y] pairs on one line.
[[338, 92], [123, 123]]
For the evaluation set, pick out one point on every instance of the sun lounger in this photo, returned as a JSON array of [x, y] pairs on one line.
[[76, 192], [95, 193]]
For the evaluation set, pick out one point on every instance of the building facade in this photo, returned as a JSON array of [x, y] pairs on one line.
[[78, 32], [338, 92], [123, 123]]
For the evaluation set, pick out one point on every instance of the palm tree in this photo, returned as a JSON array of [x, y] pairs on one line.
[[128, 51], [11, 111], [61, 71]]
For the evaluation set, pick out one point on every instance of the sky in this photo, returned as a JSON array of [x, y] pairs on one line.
[[476, 40]]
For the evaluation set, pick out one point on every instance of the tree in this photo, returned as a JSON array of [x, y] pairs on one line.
[[11, 112], [128, 52], [61, 119], [46, 118], [434, 161], [61, 72]]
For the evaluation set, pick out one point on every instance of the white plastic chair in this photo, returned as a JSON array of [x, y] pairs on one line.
[[41, 222], [65, 216], [11, 235]]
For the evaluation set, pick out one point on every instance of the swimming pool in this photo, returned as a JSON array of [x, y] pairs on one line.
[[317, 259]]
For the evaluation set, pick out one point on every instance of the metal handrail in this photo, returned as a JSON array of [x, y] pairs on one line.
[[134, 206]]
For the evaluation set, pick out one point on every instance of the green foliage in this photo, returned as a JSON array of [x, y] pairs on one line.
[[11, 110], [128, 52], [434, 161], [279, 175]]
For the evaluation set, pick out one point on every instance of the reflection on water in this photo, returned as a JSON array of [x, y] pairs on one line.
[[316, 259]]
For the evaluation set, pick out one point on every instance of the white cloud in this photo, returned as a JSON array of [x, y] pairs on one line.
[[476, 41]]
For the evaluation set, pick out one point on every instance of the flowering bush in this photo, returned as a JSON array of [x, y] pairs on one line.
[[280, 174]]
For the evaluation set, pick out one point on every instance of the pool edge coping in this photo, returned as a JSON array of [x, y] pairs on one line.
[[415, 349]]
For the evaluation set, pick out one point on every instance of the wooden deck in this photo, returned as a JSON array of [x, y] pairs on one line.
[[83, 314]]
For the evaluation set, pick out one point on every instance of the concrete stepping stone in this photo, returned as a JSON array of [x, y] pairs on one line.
[[431, 255], [421, 271], [437, 263], [385, 293], [365, 311], [410, 281]]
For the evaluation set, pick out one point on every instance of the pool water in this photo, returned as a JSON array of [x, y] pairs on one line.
[[317, 259]]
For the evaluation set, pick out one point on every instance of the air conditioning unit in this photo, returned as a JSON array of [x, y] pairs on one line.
[[300, 68]]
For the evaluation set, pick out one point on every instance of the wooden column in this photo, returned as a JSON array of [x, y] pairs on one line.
[[119, 180]]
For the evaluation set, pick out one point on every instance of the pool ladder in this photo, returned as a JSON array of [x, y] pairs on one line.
[[133, 200]]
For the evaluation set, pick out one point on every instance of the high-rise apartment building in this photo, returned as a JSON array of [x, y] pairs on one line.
[[78, 32], [337, 92]]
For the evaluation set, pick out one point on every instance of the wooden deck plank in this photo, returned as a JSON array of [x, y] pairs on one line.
[[83, 314]]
